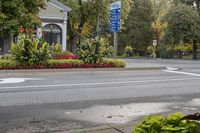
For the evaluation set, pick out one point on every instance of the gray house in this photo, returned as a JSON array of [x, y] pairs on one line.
[[54, 25]]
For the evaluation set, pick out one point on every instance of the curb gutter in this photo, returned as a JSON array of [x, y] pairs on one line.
[[79, 70], [103, 129]]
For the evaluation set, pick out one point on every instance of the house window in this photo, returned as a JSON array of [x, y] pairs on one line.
[[52, 34]]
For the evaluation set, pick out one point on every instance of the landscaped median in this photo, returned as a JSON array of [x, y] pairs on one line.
[[62, 64], [33, 53]]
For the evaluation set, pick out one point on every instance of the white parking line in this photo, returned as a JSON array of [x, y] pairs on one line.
[[103, 83], [185, 73]]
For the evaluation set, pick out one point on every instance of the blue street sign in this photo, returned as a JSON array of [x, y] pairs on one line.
[[115, 16]]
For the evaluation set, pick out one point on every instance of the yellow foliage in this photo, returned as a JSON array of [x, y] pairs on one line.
[[183, 47], [86, 29]]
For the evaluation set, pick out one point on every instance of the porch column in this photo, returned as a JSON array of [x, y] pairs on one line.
[[64, 35]]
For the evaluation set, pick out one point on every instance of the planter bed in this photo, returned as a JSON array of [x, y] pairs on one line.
[[61, 64]]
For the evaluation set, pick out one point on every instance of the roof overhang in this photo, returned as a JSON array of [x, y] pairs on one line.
[[60, 5]]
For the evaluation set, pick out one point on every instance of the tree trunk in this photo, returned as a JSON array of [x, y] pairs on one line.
[[72, 42], [198, 6], [8, 43], [194, 52]]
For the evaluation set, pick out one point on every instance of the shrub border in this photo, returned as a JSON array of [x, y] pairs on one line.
[[61, 64]]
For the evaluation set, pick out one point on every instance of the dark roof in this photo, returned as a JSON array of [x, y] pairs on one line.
[[61, 5]]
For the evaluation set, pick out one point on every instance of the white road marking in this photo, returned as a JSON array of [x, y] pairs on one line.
[[103, 83], [185, 73], [15, 80], [172, 68]]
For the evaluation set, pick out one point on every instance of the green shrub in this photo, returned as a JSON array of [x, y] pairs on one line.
[[128, 51], [92, 51], [170, 124], [67, 53], [116, 62], [7, 57], [105, 49], [30, 51], [8, 64], [162, 52], [52, 63], [64, 53], [198, 53], [56, 49], [151, 50]]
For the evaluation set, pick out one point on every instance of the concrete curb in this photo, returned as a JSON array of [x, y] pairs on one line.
[[104, 129], [80, 70]]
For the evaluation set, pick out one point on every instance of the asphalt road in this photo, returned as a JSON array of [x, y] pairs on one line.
[[49, 101]]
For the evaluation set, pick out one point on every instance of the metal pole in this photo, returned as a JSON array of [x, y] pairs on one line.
[[115, 45]]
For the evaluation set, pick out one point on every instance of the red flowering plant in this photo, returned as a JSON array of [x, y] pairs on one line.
[[21, 30], [60, 57], [30, 30], [25, 31]]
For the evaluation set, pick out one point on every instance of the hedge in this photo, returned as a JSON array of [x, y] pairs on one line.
[[69, 63], [62, 64], [115, 62], [6, 64]]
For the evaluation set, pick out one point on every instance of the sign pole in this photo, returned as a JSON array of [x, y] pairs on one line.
[[115, 10], [115, 45]]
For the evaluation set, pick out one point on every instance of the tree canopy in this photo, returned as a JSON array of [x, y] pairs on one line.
[[138, 32], [183, 24], [16, 13], [85, 15], [168, 21]]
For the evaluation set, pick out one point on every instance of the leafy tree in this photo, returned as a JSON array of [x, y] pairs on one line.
[[16, 13], [190, 2], [139, 29], [196, 5], [183, 26], [86, 14], [160, 8]]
